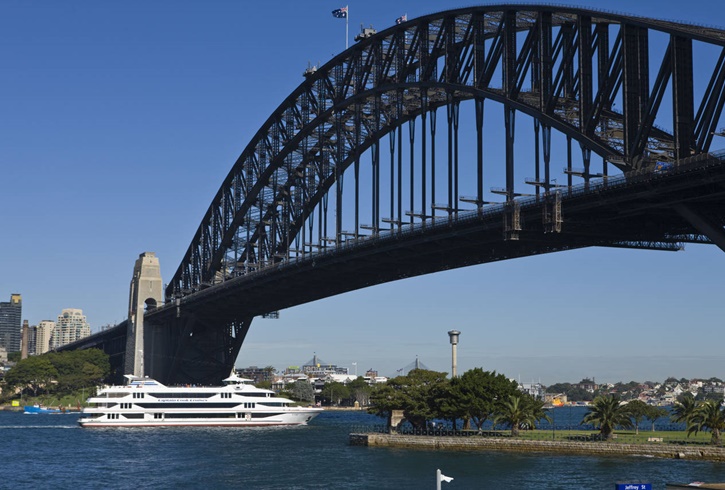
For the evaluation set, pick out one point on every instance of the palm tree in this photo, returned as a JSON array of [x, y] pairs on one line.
[[538, 412], [708, 415], [515, 412], [683, 408], [607, 413]]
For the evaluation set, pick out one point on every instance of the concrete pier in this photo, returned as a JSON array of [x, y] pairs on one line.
[[474, 443]]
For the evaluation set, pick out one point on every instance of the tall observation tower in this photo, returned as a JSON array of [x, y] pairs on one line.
[[453, 334]]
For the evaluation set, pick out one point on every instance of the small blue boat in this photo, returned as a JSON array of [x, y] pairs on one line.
[[40, 409]]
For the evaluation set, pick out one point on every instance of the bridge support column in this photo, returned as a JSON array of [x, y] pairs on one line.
[[711, 230], [147, 292]]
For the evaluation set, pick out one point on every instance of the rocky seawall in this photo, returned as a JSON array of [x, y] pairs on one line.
[[657, 450]]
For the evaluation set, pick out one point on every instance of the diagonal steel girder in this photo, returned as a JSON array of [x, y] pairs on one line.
[[305, 145]]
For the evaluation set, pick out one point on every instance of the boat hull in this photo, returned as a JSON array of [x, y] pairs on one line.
[[29, 409], [286, 419]]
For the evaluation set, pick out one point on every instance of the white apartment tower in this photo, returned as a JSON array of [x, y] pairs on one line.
[[42, 336], [71, 326]]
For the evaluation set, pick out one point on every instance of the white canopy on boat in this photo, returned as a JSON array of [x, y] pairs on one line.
[[234, 379]]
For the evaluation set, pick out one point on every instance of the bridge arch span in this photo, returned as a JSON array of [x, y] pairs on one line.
[[567, 68]]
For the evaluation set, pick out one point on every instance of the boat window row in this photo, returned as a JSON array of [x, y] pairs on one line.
[[138, 395], [224, 415], [275, 404], [205, 406], [183, 395], [113, 394]]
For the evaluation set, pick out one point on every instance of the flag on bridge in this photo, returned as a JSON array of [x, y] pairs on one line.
[[401, 19], [340, 13]]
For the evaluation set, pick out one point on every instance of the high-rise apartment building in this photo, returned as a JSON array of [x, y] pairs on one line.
[[32, 340], [42, 336], [10, 326], [71, 326]]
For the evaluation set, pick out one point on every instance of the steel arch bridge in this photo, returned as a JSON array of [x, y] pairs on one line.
[[351, 182]]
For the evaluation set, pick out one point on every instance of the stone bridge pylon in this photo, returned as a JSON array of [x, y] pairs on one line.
[[147, 293]]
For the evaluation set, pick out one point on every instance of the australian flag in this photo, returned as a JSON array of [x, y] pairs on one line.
[[401, 19], [340, 13]]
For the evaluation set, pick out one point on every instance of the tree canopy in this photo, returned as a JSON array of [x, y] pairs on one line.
[[607, 413], [416, 393], [59, 372], [303, 391], [479, 394], [476, 396]]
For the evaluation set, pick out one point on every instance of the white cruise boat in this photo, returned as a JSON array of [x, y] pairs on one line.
[[144, 402]]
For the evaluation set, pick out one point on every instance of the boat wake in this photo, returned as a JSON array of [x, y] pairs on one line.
[[5, 427]]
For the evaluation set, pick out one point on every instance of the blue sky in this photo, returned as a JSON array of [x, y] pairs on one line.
[[119, 120]]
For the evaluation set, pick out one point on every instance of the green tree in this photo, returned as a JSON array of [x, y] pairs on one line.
[[607, 413], [334, 393], [267, 385], [80, 368], [558, 388], [416, 394], [303, 391], [34, 373], [576, 394], [708, 415], [654, 413], [360, 391], [682, 409], [480, 393], [637, 411], [447, 400], [516, 411], [537, 410]]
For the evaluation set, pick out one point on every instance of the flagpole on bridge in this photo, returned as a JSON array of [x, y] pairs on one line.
[[340, 13]]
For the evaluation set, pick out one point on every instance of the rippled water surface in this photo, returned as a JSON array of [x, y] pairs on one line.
[[51, 451]]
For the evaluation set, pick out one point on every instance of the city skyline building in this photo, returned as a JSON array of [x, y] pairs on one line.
[[43, 333], [71, 326], [32, 339], [11, 313]]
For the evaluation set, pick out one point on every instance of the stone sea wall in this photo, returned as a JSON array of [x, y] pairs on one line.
[[657, 450]]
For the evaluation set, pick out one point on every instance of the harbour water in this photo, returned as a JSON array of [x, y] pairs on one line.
[[51, 451]]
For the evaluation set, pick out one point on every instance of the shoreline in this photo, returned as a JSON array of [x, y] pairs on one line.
[[448, 443]]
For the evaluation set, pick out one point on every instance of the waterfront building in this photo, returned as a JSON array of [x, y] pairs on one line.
[[43, 333], [71, 326], [10, 323], [257, 374], [588, 384], [534, 389], [316, 368]]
